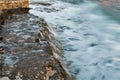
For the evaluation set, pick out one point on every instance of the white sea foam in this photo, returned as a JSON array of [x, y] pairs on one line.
[[90, 39]]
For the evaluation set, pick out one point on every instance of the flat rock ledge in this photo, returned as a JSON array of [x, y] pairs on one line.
[[29, 49]]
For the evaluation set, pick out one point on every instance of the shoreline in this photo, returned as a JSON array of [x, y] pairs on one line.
[[33, 54]]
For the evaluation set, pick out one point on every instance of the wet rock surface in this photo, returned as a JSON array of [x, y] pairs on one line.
[[41, 3], [28, 50]]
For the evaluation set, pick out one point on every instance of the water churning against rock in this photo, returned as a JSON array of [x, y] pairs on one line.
[[89, 37]]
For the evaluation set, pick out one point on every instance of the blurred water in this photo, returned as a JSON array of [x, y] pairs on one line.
[[90, 39], [74, 1]]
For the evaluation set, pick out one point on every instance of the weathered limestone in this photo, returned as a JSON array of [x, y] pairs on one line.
[[10, 4]]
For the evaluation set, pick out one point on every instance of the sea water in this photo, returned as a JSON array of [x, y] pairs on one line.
[[90, 38]]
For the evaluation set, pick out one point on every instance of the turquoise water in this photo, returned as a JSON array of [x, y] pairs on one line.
[[90, 38]]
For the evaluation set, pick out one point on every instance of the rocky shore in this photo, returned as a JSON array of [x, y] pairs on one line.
[[29, 49]]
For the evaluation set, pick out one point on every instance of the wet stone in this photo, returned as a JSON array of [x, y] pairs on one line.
[[1, 50], [10, 60], [25, 55], [42, 3], [1, 38]]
